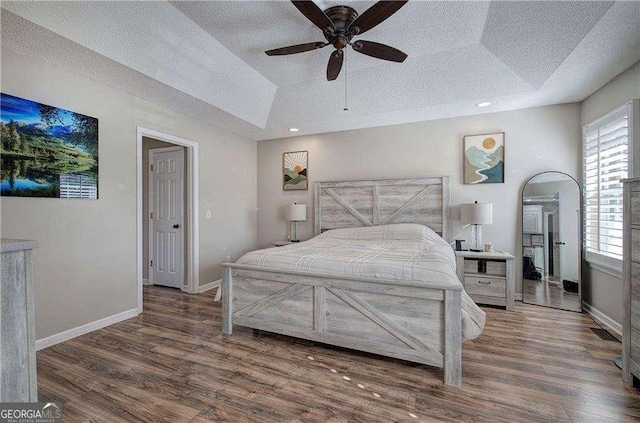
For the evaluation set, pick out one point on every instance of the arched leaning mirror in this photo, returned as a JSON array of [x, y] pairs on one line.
[[551, 241]]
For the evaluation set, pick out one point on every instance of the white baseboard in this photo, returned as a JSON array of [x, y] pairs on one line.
[[209, 286], [603, 318], [81, 330], [145, 282]]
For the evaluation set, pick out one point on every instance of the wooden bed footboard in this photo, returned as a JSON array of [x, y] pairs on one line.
[[409, 320]]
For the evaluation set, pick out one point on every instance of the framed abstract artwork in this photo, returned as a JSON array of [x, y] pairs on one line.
[[484, 159], [295, 170], [46, 151]]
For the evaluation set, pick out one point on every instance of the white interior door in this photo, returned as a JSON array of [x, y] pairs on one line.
[[167, 216]]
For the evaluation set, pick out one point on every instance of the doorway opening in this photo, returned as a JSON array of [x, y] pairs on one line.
[[167, 212], [163, 241]]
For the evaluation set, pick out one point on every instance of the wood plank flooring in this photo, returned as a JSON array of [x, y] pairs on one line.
[[172, 364], [550, 295]]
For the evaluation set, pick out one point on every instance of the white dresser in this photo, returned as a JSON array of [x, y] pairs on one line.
[[631, 282], [18, 381]]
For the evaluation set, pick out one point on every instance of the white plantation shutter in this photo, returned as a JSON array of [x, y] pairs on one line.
[[78, 186], [606, 163]]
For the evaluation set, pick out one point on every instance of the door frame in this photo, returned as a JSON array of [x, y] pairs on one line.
[[547, 242], [192, 242], [560, 238], [150, 199]]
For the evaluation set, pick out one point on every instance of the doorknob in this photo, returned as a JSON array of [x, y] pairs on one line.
[[176, 226], [560, 243]]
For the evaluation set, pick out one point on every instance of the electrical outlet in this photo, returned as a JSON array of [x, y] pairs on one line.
[[228, 259]]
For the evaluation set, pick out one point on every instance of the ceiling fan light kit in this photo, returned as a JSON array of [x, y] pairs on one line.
[[339, 24]]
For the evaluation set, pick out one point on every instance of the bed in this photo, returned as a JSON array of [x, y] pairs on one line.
[[378, 277]]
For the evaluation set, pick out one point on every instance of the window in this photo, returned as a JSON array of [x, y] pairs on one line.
[[607, 155]]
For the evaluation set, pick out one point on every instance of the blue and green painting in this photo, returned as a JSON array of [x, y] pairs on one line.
[[484, 159], [46, 151]]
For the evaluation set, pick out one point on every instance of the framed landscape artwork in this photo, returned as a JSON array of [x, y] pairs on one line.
[[295, 170], [46, 151], [484, 159]]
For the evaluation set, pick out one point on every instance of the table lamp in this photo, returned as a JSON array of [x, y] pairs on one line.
[[296, 213], [476, 214]]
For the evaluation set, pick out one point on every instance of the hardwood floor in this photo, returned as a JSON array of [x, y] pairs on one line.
[[172, 364], [550, 295]]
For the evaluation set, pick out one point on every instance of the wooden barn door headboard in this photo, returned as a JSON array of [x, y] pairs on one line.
[[348, 204]]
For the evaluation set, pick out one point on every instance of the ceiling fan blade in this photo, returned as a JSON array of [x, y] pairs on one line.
[[314, 14], [379, 51], [298, 48], [375, 15], [335, 65]]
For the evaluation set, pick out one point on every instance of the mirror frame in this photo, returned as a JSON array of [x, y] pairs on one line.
[[580, 242]]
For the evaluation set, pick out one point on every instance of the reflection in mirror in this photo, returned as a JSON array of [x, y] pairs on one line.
[[551, 234]]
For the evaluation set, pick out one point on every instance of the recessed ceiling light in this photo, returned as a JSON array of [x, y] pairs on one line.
[[484, 104], [293, 129]]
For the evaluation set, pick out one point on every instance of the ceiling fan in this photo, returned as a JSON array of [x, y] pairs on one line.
[[340, 24]]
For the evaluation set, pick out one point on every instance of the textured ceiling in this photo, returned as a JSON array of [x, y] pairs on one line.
[[247, 29], [534, 38], [209, 58], [26, 38], [154, 39]]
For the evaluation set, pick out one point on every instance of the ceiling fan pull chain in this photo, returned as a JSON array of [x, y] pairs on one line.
[[346, 72]]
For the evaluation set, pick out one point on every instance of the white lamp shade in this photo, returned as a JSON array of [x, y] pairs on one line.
[[297, 212], [476, 213]]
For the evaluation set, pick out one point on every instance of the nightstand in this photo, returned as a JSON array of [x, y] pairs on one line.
[[488, 278], [281, 243]]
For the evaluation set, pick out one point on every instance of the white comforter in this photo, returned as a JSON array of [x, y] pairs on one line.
[[397, 252]]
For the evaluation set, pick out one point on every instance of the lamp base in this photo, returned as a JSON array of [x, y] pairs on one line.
[[477, 238]]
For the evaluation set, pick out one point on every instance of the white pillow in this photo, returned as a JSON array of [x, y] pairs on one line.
[[399, 231]]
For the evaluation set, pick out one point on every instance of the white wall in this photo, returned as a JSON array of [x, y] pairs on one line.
[[537, 139], [85, 268], [614, 94], [601, 290]]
